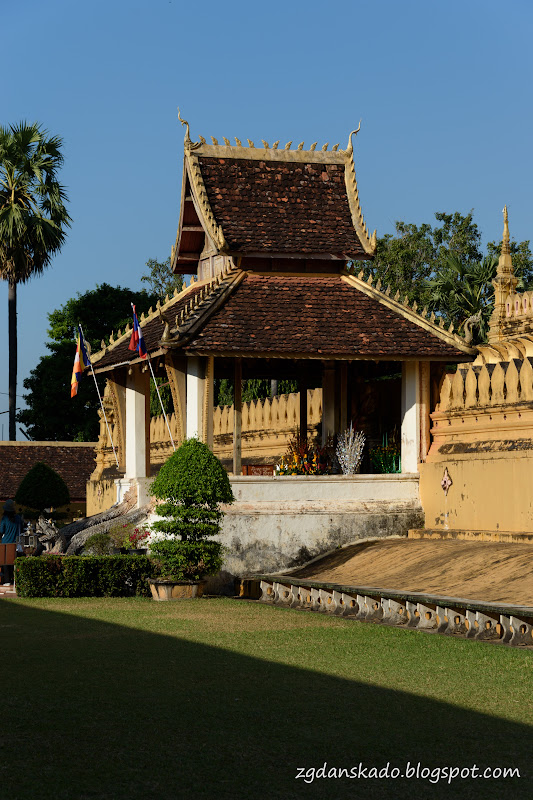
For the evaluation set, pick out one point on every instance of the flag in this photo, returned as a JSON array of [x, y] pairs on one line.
[[137, 340], [81, 362]]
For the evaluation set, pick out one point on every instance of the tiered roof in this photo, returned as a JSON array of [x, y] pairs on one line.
[[250, 314], [296, 211], [270, 201]]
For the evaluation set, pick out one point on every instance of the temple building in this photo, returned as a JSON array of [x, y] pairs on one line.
[[277, 244]]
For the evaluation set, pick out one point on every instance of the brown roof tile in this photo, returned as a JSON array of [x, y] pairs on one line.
[[152, 331], [74, 462], [281, 207], [319, 316]]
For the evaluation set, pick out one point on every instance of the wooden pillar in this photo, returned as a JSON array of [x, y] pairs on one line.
[[328, 402], [425, 408], [209, 401], [302, 385], [343, 405], [410, 444], [237, 417]]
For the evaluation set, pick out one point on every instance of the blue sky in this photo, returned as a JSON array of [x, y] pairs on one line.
[[443, 90]]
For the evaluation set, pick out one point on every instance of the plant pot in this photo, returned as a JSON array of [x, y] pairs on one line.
[[136, 551], [175, 590]]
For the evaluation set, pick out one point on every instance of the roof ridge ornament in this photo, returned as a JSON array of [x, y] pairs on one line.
[[349, 149], [189, 144]]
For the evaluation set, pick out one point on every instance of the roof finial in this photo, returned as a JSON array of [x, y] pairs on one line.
[[184, 122], [505, 241], [349, 149]]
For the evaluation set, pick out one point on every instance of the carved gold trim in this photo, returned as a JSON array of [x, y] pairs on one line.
[[270, 154], [203, 207], [407, 312], [143, 320], [368, 242]]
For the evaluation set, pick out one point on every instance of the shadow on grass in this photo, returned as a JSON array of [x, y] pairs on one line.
[[98, 710]]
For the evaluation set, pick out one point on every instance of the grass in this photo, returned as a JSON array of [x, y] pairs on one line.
[[218, 698]]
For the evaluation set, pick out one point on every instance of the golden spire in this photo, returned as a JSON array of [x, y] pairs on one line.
[[505, 240], [505, 264], [504, 285]]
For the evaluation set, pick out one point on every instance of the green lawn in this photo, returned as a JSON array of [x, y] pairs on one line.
[[219, 698]]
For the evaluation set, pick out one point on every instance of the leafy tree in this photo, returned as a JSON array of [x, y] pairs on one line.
[[42, 488], [99, 311], [463, 289], [166, 397], [416, 254], [160, 278], [51, 414], [33, 219]]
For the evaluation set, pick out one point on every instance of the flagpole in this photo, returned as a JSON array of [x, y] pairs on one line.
[[160, 401], [99, 396], [137, 347]]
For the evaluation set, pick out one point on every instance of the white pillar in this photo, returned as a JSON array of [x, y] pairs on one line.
[[195, 396], [136, 432], [410, 416]]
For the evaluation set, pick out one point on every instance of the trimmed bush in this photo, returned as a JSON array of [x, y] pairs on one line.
[[83, 576], [192, 484], [186, 561], [42, 488]]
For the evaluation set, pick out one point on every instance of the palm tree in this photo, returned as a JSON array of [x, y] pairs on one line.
[[33, 219], [462, 290]]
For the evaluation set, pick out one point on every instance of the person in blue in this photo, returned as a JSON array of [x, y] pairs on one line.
[[10, 530]]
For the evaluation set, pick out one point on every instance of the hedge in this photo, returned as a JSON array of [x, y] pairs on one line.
[[83, 576]]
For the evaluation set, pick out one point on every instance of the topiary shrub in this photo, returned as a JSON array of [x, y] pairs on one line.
[[192, 485], [42, 488]]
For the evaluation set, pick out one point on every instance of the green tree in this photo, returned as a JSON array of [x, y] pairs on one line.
[[463, 289], [33, 219], [160, 278], [417, 254], [42, 488], [51, 414]]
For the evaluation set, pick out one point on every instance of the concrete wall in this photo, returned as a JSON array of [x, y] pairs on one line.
[[483, 436], [280, 522]]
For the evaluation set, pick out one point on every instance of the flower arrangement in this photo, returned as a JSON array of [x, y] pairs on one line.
[[350, 450], [386, 458], [303, 458]]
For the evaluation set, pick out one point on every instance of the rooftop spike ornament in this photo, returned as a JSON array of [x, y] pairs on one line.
[[265, 144], [215, 141]]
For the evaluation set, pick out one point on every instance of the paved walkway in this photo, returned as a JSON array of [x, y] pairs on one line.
[[7, 591]]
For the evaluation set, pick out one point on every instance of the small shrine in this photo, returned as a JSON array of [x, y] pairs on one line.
[[275, 239]]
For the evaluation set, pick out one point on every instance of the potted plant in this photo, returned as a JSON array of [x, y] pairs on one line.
[[192, 485]]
